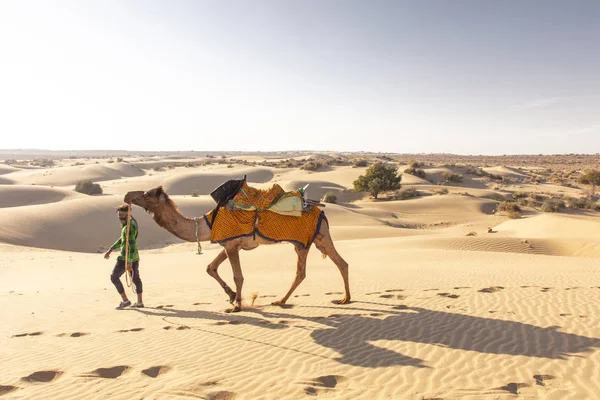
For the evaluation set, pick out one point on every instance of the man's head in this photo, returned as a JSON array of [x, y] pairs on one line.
[[122, 212]]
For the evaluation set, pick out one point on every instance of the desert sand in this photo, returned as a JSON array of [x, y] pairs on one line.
[[450, 297]]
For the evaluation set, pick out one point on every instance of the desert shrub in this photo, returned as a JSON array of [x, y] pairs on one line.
[[416, 172], [415, 164], [360, 163], [157, 168], [119, 159], [195, 193], [329, 198], [406, 194], [88, 187], [552, 205], [582, 202], [496, 196], [43, 162], [379, 178], [513, 214], [520, 195], [442, 191], [310, 166], [508, 206], [451, 177]]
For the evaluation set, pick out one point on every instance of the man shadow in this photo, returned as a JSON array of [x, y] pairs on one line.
[[351, 336]]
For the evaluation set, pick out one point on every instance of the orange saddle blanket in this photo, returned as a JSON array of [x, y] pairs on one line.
[[233, 224]]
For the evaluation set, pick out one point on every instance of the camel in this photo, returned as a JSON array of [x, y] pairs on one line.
[[167, 215]]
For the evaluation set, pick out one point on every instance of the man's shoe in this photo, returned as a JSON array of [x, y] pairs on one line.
[[138, 305], [124, 304]]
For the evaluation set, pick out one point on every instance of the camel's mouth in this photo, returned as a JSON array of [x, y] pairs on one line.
[[134, 197]]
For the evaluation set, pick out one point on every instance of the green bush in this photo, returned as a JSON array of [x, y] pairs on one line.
[[416, 172], [88, 187], [195, 193], [360, 163], [379, 178], [451, 177]]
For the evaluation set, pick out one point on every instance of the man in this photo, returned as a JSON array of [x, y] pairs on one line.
[[132, 260]]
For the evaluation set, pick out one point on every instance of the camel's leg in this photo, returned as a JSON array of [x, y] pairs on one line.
[[324, 243], [212, 271], [234, 258], [300, 274]]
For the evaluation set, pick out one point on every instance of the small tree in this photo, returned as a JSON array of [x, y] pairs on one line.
[[591, 177], [378, 178]]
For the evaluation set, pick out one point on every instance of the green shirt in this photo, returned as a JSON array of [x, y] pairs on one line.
[[120, 243]]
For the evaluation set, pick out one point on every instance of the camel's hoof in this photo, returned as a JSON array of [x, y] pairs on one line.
[[344, 301], [234, 309], [278, 303], [232, 296]]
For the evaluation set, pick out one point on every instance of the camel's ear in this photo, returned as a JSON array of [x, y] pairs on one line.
[[159, 190]]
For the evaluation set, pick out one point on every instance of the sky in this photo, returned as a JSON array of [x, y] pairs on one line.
[[423, 76]]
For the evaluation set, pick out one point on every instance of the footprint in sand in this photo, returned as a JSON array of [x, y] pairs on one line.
[[400, 307], [6, 389], [394, 290], [301, 295], [74, 334], [199, 304], [221, 395], [323, 383], [28, 334], [462, 287], [539, 379], [514, 387], [153, 372], [130, 330], [42, 376], [183, 327], [491, 289], [449, 295], [368, 294], [267, 296], [332, 293], [565, 314], [429, 290], [546, 289], [163, 306], [108, 373]]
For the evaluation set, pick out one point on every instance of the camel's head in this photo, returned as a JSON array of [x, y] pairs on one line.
[[147, 200]]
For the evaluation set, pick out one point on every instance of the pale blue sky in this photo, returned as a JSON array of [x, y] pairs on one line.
[[464, 77]]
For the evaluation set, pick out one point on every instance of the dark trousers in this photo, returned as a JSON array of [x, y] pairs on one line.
[[119, 270]]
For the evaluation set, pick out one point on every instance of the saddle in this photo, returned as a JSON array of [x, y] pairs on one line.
[[238, 195]]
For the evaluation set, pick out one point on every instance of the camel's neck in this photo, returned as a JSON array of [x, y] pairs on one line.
[[168, 216]]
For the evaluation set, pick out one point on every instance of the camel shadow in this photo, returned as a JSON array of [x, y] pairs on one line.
[[219, 318], [351, 336]]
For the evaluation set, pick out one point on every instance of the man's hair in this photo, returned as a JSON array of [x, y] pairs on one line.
[[123, 207]]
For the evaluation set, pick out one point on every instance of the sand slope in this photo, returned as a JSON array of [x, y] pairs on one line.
[[441, 308]]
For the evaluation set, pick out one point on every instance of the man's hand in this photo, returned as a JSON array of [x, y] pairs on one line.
[[129, 267], [107, 255]]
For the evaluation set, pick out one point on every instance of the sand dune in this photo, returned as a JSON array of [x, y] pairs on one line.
[[20, 195], [441, 308], [67, 176], [86, 224], [184, 181]]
